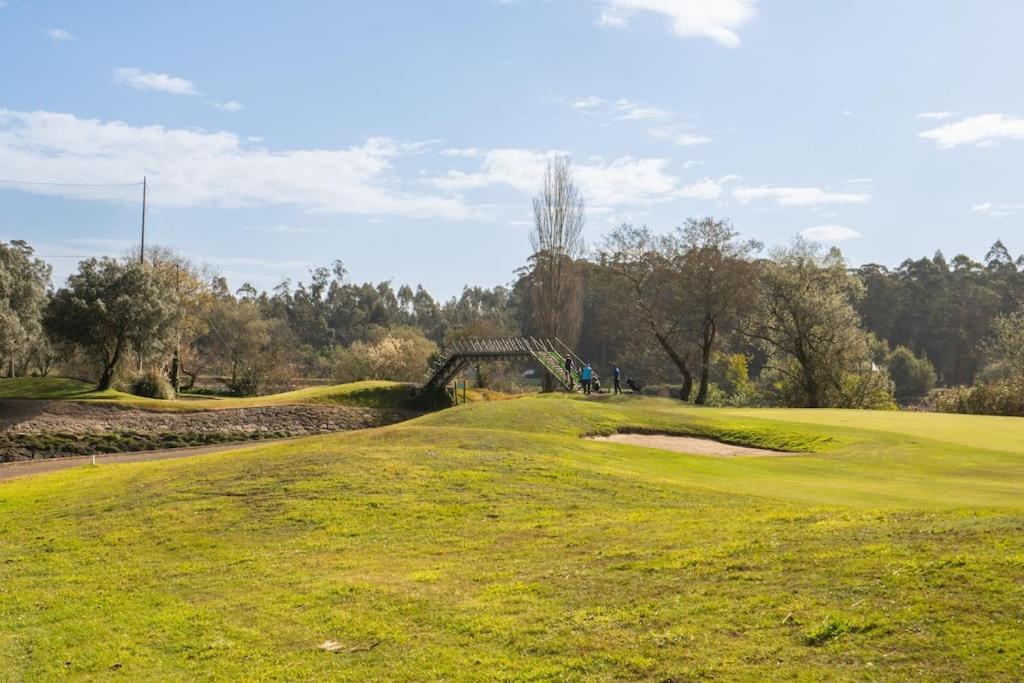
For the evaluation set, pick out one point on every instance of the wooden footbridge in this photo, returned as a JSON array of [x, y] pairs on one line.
[[549, 354]]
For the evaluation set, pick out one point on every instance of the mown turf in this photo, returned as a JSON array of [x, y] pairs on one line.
[[491, 542]]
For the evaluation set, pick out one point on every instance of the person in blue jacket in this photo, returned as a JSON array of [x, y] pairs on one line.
[[616, 374], [586, 377]]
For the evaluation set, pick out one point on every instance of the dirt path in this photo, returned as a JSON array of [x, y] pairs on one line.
[[25, 468], [688, 444]]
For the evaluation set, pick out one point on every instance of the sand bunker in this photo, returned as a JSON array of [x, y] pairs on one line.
[[688, 444]]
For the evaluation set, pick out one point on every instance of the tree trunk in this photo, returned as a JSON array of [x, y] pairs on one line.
[[687, 388], [705, 374], [680, 363], [175, 366], [106, 378], [708, 334]]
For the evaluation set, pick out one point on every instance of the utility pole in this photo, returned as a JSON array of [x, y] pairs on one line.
[[176, 360], [142, 248]]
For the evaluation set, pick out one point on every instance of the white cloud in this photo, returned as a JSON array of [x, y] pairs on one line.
[[161, 82], [627, 110], [286, 229], [679, 137], [702, 189], [636, 111], [830, 233], [586, 102], [230, 105], [936, 115], [59, 34], [624, 181], [998, 210], [715, 19], [200, 168], [984, 131], [469, 152], [798, 196]]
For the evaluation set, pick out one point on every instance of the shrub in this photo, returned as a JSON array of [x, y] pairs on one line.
[[1005, 397], [912, 377], [152, 384], [401, 354]]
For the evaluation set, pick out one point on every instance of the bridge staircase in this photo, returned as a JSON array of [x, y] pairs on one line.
[[549, 354]]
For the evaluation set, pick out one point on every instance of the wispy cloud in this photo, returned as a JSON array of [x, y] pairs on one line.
[[984, 130], [59, 34], [682, 138], [718, 20], [936, 115], [830, 233], [638, 111], [586, 102], [469, 152], [623, 181], [703, 189], [152, 81], [668, 126], [286, 229], [230, 105], [798, 196], [998, 210]]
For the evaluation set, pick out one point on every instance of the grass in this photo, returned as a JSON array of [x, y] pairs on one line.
[[370, 394], [491, 542]]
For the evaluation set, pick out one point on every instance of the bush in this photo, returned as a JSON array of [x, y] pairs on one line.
[[912, 377], [1004, 397], [152, 384], [401, 354]]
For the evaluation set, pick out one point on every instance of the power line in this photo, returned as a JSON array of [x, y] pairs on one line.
[[40, 182]]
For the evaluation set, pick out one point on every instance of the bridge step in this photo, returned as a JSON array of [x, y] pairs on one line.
[[550, 354]]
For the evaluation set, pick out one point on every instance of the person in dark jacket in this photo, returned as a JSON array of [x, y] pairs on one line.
[[616, 374], [568, 372]]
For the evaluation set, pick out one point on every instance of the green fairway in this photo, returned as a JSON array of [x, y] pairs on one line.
[[490, 541]]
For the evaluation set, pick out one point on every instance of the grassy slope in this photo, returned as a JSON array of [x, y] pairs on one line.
[[489, 540], [366, 394]]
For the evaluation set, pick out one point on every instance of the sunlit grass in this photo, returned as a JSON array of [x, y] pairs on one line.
[[491, 541]]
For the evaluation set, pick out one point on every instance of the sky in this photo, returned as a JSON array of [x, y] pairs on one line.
[[406, 139]]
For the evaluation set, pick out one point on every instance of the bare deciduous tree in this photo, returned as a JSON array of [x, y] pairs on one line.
[[557, 241]]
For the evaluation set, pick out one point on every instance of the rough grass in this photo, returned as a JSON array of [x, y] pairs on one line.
[[372, 394], [491, 542]]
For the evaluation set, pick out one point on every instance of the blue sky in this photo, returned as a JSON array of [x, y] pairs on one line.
[[406, 138]]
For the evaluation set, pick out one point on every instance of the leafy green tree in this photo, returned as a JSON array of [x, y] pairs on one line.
[[912, 377], [109, 307], [24, 280], [643, 266], [255, 354], [1005, 347], [716, 282], [805, 321]]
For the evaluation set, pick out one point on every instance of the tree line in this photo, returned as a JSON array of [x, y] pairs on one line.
[[697, 311]]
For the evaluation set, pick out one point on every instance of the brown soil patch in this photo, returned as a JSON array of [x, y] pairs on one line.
[[688, 444]]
